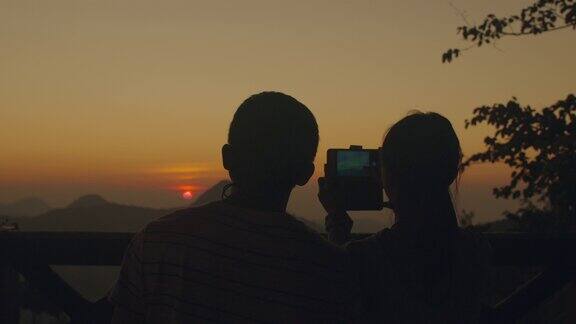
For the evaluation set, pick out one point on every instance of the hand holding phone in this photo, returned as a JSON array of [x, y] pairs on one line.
[[330, 196], [354, 179]]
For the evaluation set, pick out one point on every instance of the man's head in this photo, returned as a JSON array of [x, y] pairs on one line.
[[272, 143]]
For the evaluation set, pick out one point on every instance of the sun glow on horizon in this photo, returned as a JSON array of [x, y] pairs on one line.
[[187, 195], [188, 192]]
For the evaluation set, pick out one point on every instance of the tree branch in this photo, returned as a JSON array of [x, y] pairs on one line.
[[539, 17], [530, 33]]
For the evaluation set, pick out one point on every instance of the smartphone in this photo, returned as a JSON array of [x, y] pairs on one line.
[[356, 175]]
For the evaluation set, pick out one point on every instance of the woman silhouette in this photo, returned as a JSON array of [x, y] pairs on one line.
[[424, 269]]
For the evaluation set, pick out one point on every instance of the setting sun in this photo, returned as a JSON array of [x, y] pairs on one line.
[[188, 192], [187, 195]]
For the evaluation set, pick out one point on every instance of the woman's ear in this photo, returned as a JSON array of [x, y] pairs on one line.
[[305, 174], [227, 157]]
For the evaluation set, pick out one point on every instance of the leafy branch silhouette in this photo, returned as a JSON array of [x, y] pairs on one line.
[[539, 146], [540, 17]]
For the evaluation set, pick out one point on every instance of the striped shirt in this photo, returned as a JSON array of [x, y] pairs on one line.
[[221, 263]]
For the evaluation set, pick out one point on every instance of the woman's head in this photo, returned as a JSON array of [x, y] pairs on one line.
[[421, 158]]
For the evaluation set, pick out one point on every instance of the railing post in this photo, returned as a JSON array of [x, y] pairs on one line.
[[9, 303]]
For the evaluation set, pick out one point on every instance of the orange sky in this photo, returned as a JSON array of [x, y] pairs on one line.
[[132, 99]]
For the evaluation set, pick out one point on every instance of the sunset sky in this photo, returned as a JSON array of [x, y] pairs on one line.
[[132, 99]]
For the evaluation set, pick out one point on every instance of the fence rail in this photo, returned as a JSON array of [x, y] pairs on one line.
[[104, 248]]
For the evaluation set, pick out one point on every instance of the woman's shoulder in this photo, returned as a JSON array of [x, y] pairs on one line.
[[473, 247], [468, 243]]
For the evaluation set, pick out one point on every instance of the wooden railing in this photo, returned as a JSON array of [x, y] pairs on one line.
[[553, 253], [104, 248]]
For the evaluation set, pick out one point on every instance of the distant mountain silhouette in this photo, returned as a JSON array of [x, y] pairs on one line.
[[91, 200], [26, 207], [92, 213], [214, 193]]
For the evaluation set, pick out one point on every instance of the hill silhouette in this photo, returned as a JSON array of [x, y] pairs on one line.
[[88, 201], [214, 193], [92, 213], [25, 207]]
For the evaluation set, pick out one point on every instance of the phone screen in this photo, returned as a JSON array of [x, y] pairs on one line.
[[350, 163], [356, 171]]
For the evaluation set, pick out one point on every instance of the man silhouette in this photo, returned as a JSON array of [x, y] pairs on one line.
[[242, 259]]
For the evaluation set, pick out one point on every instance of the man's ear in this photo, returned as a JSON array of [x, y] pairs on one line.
[[227, 156], [305, 174]]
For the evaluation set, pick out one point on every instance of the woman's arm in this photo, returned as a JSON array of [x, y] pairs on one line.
[[338, 227], [337, 222]]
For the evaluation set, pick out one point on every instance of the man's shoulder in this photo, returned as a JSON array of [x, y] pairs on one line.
[[231, 218], [186, 213], [187, 216]]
